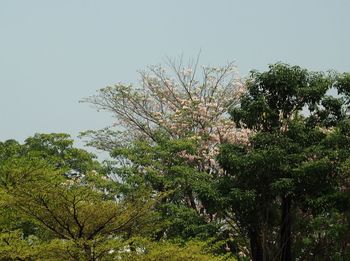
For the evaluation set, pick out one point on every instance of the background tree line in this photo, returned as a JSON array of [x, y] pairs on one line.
[[204, 165]]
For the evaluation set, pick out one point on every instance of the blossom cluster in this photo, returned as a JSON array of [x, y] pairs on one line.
[[181, 105]]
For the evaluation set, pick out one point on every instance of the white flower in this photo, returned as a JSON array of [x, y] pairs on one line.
[[187, 72]]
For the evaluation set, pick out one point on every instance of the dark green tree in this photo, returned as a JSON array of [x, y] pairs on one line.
[[288, 162]]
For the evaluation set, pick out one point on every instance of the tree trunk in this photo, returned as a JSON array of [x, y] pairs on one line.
[[88, 252], [286, 230], [191, 202], [256, 246]]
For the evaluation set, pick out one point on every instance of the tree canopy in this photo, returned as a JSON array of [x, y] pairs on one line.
[[204, 165]]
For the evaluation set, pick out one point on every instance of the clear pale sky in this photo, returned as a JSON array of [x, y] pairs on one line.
[[54, 53]]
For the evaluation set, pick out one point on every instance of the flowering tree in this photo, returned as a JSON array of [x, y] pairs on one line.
[[171, 109], [176, 103]]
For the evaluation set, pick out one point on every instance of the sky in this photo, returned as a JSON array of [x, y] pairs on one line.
[[55, 53]]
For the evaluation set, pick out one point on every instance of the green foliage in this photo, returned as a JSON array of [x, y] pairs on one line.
[[162, 168], [290, 168], [282, 190], [63, 210], [193, 250], [276, 95]]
